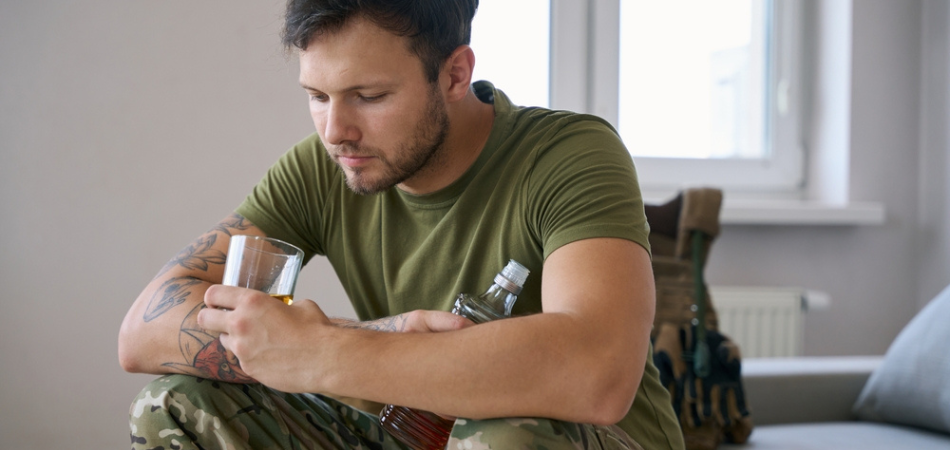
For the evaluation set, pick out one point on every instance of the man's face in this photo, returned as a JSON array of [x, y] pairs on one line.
[[381, 121]]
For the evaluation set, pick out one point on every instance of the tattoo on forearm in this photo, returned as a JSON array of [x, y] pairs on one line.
[[203, 354], [235, 222], [214, 362], [389, 324], [198, 255], [169, 295], [203, 350]]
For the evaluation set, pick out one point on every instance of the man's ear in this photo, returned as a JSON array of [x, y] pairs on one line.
[[457, 73]]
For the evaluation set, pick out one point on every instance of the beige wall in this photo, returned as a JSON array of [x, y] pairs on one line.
[[128, 128]]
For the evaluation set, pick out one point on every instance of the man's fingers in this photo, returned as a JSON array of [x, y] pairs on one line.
[[445, 321], [225, 340], [222, 297], [213, 319]]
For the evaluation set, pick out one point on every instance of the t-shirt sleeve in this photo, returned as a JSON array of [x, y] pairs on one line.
[[288, 202], [584, 185]]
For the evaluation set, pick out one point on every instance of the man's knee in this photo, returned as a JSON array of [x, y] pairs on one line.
[[183, 393], [173, 393], [515, 433], [537, 433], [175, 410]]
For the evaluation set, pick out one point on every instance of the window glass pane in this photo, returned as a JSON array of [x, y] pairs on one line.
[[693, 78], [510, 39]]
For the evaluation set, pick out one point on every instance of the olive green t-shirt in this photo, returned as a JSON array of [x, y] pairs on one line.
[[544, 179]]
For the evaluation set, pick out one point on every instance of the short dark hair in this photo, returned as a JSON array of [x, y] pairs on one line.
[[435, 28]]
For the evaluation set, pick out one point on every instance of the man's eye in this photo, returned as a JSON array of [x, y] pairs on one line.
[[318, 97], [372, 98]]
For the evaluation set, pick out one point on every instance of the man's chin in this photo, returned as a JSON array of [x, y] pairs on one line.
[[369, 182], [361, 186]]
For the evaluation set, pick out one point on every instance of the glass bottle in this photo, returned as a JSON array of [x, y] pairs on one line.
[[423, 430]]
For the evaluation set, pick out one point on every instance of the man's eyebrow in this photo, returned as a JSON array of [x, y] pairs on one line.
[[304, 85], [357, 87]]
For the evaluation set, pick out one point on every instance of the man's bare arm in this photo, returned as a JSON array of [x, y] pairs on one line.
[[160, 333], [392, 324], [580, 360], [410, 322]]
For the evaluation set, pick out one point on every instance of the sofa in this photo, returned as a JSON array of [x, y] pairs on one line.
[[897, 401]]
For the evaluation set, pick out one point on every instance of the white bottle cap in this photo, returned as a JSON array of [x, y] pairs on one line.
[[513, 274]]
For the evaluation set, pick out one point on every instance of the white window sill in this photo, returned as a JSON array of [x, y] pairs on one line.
[[740, 208], [800, 212]]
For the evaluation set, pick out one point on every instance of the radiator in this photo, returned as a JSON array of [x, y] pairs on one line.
[[764, 321]]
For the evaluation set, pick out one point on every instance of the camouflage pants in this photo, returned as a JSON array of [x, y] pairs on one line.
[[184, 412]]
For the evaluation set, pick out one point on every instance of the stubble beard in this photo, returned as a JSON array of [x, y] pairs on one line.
[[420, 154]]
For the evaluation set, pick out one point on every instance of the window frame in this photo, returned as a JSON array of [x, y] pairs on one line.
[[585, 77]]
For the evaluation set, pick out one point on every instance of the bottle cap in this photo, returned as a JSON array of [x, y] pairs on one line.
[[513, 274]]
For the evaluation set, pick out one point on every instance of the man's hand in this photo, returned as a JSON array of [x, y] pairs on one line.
[[273, 342], [281, 346]]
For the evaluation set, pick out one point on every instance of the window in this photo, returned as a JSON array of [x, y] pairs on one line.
[[511, 40], [692, 85], [702, 92]]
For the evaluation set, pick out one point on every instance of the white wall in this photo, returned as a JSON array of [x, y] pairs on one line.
[[128, 128], [897, 146], [934, 210]]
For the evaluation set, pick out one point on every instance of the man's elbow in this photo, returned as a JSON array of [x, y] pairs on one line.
[[130, 356], [128, 363], [612, 396], [613, 406]]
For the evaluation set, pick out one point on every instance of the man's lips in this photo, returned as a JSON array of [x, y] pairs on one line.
[[353, 160]]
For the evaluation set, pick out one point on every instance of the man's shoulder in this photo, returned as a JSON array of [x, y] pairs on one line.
[[536, 123], [552, 123], [565, 134]]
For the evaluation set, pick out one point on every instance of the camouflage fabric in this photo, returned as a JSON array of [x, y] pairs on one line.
[[184, 412], [536, 434]]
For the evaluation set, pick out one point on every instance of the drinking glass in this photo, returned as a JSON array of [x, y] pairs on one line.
[[265, 264]]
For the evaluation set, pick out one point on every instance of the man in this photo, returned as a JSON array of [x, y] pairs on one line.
[[418, 185]]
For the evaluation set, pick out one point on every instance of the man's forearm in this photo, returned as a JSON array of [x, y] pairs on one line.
[[203, 355], [176, 344], [392, 324], [581, 360], [491, 370], [160, 333]]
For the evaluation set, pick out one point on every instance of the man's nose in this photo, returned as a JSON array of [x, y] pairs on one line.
[[340, 126]]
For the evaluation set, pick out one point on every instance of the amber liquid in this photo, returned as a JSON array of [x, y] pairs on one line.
[[288, 299], [423, 430], [419, 430]]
